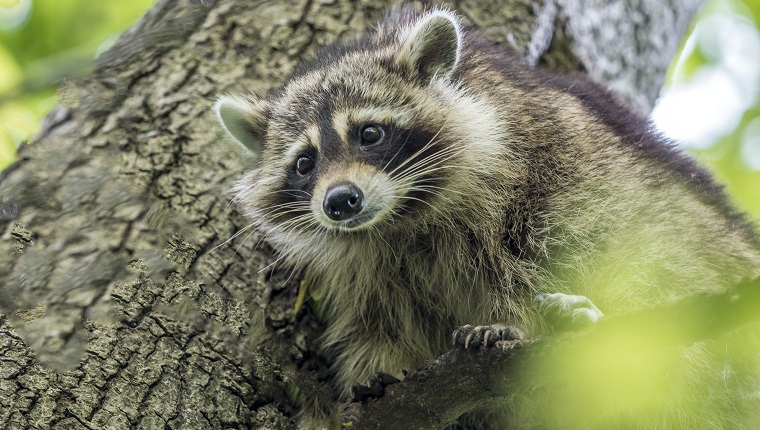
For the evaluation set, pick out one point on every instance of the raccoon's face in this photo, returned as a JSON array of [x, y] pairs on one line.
[[362, 139]]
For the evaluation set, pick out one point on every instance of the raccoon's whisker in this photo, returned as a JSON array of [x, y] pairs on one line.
[[294, 223], [274, 213], [410, 179], [439, 156], [419, 200], [441, 196], [296, 227], [429, 183], [379, 235], [427, 189], [287, 204], [431, 189], [443, 152], [394, 212], [244, 240], [290, 206], [393, 131], [277, 260], [439, 190], [411, 159], [422, 170], [286, 217], [301, 228], [431, 161], [420, 151], [291, 235], [289, 191], [236, 234], [240, 192], [293, 190], [292, 272], [406, 140], [260, 241], [418, 169], [289, 226], [228, 206]]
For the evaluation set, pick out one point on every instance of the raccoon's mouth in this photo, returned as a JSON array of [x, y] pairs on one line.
[[358, 220]]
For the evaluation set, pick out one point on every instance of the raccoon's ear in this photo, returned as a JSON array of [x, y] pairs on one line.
[[432, 46], [244, 118]]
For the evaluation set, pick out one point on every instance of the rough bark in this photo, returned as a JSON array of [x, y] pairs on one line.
[[118, 308]]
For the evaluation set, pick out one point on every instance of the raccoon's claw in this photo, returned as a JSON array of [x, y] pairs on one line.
[[567, 311], [472, 337]]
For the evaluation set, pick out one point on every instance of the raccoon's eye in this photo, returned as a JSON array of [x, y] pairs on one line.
[[371, 134], [304, 165]]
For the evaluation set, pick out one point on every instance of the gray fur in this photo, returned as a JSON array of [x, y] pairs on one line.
[[497, 183]]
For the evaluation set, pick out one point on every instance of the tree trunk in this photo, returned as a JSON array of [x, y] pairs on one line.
[[123, 304]]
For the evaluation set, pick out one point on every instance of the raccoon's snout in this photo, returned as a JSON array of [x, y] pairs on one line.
[[343, 201]]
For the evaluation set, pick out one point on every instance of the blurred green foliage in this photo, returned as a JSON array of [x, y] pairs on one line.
[[43, 41], [727, 157]]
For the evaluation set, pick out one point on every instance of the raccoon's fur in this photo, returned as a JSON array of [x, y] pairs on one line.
[[426, 179]]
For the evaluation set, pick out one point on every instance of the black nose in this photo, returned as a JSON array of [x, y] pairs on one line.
[[343, 201]]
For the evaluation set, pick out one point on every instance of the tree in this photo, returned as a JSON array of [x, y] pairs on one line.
[[128, 282]]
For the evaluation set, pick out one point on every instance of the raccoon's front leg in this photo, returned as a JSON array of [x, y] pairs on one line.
[[472, 337], [563, 311], [566, 311]]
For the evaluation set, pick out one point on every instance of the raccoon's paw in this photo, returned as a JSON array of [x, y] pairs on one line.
[[567, 311], [375, 388], [472, 337]]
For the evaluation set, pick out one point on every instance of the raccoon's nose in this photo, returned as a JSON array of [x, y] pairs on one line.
[[343, 201]]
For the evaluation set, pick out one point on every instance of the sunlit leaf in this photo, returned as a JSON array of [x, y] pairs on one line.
[[7, 148], [10, 72], [8, 3]]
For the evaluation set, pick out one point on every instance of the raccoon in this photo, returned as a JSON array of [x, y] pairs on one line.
[[423, 179]]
